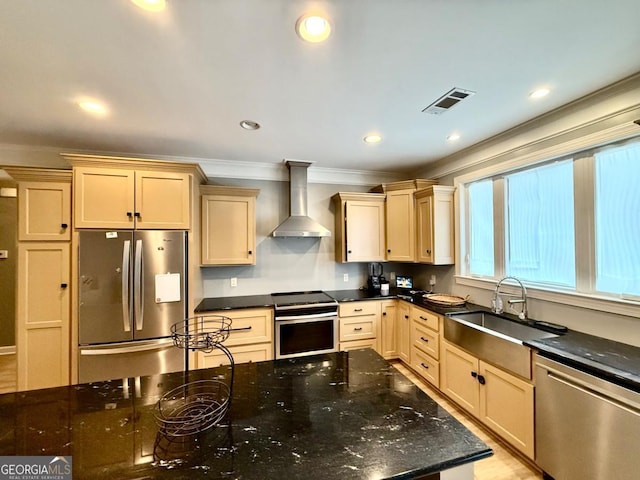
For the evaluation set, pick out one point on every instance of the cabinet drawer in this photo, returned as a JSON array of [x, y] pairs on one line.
[[426, 367], [356, 344], [352, 309], [248, 326], [425, 339], [357, 328], [423, 317], [242, 354]]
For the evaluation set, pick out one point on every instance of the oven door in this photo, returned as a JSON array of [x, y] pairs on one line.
[[306, 335]]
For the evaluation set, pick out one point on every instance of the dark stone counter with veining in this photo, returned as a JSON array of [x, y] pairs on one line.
[[347, 415]]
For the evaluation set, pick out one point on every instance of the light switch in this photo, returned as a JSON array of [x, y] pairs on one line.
[[4, 253]]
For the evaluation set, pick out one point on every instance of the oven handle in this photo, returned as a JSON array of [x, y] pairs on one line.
[[312, 316]]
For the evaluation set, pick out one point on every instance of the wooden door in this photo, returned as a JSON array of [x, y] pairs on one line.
[[103, 198], [404, 333], [228, 230], [442, 227], [458, 379], [43, 318], [400, 226], [388, 334], [44, 211], [162, 200], [424, 219], [507, 407]]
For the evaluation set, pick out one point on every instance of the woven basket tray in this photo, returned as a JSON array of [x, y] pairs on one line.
[[445, 299]]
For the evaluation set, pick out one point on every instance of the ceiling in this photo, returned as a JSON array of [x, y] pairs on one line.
[[177, 83]]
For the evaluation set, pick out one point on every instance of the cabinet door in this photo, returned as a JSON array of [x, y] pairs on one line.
[[43, 315], [162, 200], [388, 329], [458, 378], [228, 230], [506, 406], [103, 198], [404, 333], [44, 211], [425, 229], [400, 226], [443, 217], [365, 231]]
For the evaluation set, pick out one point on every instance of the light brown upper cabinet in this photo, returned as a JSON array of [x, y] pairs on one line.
[[228, 225], [434, 216], [360, 227], [119, 193], [400, 227], [44, 203]]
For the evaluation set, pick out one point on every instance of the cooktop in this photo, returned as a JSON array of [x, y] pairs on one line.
[[301, 298]]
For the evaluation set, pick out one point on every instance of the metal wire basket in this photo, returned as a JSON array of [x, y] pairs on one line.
[[193, 407], [202, 332]]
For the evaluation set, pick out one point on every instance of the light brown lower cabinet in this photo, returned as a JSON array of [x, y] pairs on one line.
[[250, 338], [403, 333], [387, 337], [359, 324], [500, 400], [43, 315]]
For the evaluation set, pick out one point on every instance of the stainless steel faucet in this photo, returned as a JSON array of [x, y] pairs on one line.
[[497, 304]]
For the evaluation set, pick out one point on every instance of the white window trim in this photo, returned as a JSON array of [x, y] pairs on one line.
[[620, 306]]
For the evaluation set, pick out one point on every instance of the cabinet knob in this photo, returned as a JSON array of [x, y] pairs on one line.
[[129, 214], [428, 252], [348, 251], [384, 314], [406, 316], [64, 225], [481, 379], [250, 252], [425, 365], [63, 285], [474, 374], [388, 250], [137, 214]]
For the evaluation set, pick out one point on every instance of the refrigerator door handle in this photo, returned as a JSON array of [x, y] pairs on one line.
[[138, 282], [117, 350], [126, 261]]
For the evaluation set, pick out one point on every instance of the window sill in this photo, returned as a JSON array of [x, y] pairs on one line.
[[575, 299]]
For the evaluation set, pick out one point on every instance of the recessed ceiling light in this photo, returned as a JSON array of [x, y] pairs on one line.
[[373, 138], [249, 125], [539, 93], [151, 5], [313, 28], [453, 137], [93, 107]]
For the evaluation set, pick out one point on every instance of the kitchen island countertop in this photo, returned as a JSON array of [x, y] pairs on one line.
[[334, 416]]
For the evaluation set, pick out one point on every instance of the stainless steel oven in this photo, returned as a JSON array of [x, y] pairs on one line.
[[306, 323]]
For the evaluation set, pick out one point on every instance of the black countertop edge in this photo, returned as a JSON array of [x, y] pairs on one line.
[[440, 467], [234, 303]]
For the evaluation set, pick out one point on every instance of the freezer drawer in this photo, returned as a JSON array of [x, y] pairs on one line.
[[129, 359]]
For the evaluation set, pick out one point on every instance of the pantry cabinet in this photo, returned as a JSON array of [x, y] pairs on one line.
[[250, 338], [497, 398], [228, 235], [44, 211], [43, 315], [360, 227], [435, 225]]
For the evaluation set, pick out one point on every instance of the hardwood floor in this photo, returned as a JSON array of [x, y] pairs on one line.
[[504, 464], [8, 372]]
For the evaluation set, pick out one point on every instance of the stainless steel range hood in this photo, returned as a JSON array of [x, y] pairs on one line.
[[299, 224]]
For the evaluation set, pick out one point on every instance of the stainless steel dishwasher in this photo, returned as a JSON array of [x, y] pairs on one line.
[[586, 428]]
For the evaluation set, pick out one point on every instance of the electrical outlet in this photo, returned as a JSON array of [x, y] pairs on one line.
[[5, 254], [432, 280], [234, 282], [346, 277]]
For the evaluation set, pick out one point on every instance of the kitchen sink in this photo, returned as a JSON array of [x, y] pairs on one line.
[[495, 339], [497, 325]]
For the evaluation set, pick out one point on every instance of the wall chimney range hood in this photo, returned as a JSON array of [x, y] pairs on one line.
[[299, 224]]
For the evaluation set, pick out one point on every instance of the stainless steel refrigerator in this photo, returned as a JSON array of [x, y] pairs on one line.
[[132, 288]]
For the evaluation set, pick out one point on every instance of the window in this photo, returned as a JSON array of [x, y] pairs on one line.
[[540, 243], [569, 225], [617, 222], [481, 228]]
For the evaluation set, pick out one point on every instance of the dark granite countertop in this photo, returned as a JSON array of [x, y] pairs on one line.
[[335, 416], [233, 303]]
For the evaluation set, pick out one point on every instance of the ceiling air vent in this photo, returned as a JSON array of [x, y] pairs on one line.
[[448, 101]]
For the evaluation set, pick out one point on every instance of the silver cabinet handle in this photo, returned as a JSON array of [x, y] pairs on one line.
[[126, 260], [138, 291]]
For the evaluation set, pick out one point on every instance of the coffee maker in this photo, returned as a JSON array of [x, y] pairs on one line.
[[375, 279]]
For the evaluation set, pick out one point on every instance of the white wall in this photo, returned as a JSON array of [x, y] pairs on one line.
[[617, 104]]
